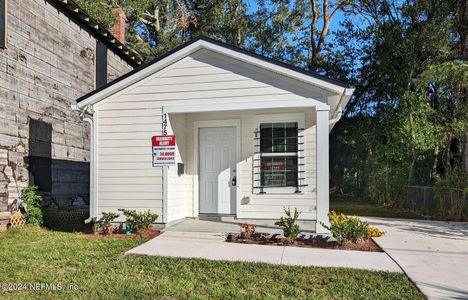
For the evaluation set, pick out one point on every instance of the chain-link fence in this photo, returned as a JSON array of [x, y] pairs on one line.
[[443, 203]]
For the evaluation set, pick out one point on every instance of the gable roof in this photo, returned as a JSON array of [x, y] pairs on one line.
[[193, 45], [78, 15]]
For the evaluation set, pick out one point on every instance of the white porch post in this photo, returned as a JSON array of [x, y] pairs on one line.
[[323, 193]]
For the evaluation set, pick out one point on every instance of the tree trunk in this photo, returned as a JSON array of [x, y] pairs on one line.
[[465, 156], [435, 175], [238, 37], [414, 152], [313, 46], [448, 163]]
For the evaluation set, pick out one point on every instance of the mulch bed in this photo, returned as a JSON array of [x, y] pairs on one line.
[[147, 233], [366, 244]]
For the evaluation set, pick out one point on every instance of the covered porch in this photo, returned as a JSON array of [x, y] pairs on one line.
[[225, 171]]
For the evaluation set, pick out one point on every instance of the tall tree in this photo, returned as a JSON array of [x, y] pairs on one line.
[[156, 26], [324, 12], [409, 87], [297, 31]]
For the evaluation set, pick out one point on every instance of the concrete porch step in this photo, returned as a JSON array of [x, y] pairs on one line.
[[228, 224]]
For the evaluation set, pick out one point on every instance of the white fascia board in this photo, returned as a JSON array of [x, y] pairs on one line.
[[183, 52], [349, 92], [213, 107]]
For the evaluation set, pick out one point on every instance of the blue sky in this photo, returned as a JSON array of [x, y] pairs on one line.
[[335, 24], [339, 16]]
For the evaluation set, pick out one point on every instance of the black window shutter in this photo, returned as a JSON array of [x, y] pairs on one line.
[[101, 64], [3, 23]]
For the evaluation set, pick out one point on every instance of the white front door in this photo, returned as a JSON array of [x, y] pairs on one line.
[[217, 169]]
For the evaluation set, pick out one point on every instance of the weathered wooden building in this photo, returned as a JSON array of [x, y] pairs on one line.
[[51, 53]]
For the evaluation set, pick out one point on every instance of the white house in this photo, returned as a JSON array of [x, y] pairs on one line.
[[251, 136]]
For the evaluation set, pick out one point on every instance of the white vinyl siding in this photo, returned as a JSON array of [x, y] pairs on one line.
[[127, 120], [207, 76], [125, 177]]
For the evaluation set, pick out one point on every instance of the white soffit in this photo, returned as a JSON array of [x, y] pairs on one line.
[[213, 107]]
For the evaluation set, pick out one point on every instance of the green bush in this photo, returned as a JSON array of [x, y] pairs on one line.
[[138, 220], [344, 228], [104, 224], [289, 225], [33, 201]]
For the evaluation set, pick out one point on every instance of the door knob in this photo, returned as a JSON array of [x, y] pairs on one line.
[[234, 181]]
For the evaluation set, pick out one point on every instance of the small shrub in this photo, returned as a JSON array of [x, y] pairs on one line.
[[289, 225], [247, 230], [138, 220], [104, 224], [374, 232], [344, 228], [33, 201]]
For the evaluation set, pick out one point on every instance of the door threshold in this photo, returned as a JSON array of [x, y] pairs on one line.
[[216, 217]]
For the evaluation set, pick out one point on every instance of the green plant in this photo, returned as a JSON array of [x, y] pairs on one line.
[[104, 224], [139, 220], [289, 225], [33, 201], [344, 228], [374, 232]]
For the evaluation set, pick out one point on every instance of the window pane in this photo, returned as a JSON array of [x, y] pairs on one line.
[[279, 132], [291, 179], [291, 163], [291, 132], [278, 137], [266, 145], [265, 137], [266, 164], [291, 144], [279, 171], [278, 145]]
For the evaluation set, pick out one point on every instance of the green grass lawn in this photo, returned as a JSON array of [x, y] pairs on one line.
[[98, 268], [361, 208]]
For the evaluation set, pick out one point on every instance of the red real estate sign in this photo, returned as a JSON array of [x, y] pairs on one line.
[[164, 150]]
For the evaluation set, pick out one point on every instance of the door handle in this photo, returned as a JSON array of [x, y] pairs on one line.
[[234, 181]]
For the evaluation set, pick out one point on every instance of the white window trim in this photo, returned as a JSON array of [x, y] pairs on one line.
[[281, 118]]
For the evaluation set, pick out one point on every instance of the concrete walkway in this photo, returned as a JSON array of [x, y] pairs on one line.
[[199, 241], [433, 254]]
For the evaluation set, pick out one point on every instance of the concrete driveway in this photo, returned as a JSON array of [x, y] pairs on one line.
[[434, 254]]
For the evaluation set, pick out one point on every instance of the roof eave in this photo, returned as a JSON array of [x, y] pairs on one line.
[[81, 17]]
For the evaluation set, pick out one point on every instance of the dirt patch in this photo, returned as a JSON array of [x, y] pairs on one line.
[[366, 244], [148, 233]]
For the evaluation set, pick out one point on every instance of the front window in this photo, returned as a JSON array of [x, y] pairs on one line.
[[278, 154]]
